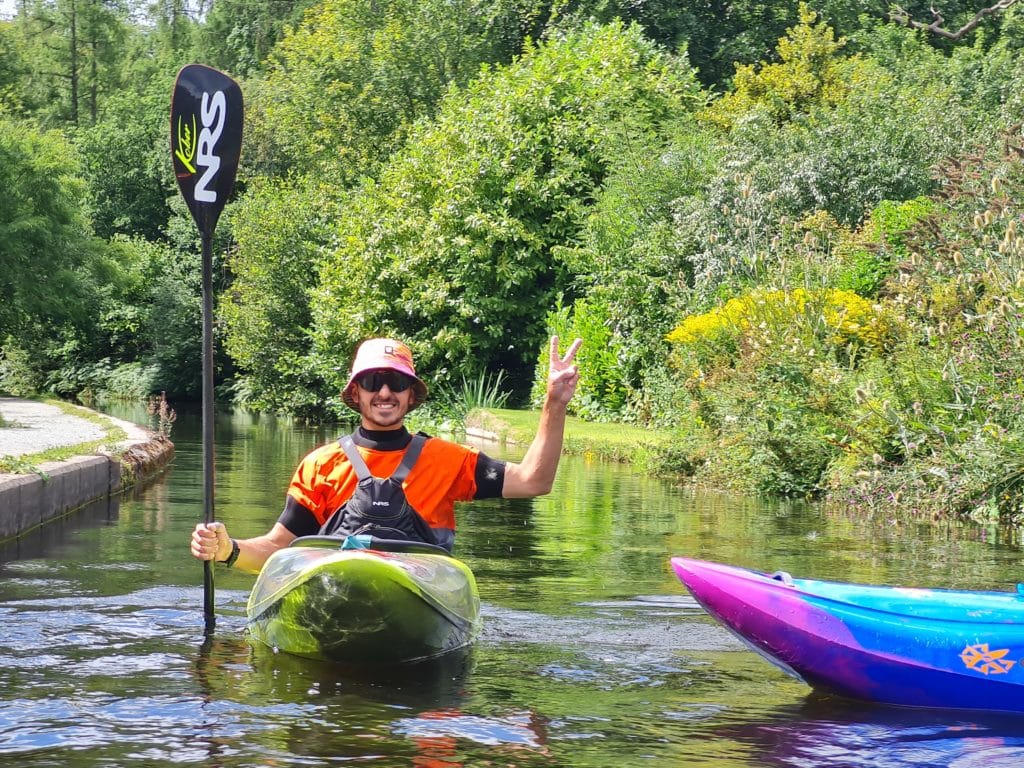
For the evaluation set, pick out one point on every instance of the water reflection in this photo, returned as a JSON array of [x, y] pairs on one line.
[[833, 733], [51, 537], [311, 708]]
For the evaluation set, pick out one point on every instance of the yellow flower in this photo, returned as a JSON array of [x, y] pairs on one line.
[[852, 318]]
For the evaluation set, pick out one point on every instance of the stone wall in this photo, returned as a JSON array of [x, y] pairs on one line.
[[27, 501]]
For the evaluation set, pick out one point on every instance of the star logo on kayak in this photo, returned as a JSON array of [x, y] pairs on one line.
[[989, 662]]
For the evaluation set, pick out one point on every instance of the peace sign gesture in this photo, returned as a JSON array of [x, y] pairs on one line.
[[563, 375]]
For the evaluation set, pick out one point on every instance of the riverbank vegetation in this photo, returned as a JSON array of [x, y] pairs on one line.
[[788, 233], [604, 441]]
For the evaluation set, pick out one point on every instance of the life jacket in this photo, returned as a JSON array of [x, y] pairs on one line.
[[378, 506]]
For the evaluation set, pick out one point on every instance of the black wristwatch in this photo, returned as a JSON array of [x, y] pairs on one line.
[[235, 550]]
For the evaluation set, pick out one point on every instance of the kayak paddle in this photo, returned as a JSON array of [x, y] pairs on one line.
[[206, 142]]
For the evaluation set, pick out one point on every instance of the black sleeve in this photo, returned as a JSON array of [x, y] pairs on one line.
[[490, 477], [297, 519]]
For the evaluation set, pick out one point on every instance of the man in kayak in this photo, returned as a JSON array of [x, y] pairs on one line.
[[340, 487]]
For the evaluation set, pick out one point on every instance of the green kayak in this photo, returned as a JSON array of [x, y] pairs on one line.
[[326, 598]]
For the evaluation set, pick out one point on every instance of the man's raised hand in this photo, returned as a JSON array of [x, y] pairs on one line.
[[563, 375]]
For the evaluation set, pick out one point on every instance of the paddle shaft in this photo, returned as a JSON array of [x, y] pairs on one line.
[[208, 416]]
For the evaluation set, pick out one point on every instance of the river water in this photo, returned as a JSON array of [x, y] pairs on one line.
[[592, 653]]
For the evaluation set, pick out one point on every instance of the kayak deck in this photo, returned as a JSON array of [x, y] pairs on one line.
[[364, 606]]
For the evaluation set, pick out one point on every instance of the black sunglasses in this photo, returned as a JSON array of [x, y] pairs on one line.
[[373, 381]]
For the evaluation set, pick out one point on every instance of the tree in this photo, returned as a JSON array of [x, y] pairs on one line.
[[48, 257], [173, 26], [11, 69], [456, 246], [718, 35], [71, 50], [281, 228], [344, 86], [937, 26], [237, 35], [126, 161]]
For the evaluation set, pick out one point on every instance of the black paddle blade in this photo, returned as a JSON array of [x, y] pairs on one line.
[[206, 140]]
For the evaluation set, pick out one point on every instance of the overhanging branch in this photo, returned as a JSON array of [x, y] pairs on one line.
[[899, 15]]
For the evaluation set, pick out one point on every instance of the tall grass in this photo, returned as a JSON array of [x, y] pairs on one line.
[[449, 404], [482, 392]]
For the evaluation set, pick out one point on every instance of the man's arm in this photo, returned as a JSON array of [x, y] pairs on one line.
[[211, 542], [535, 474]]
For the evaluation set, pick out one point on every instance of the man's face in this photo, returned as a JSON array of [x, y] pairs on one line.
[[384, 397]]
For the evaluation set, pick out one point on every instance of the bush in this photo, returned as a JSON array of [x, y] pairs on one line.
[[626, 261], [868, 257], [758, 320], [131, 381], [601, 392], [807, 76], [282, 229], [19, 372]]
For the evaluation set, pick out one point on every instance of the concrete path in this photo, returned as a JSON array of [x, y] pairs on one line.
[[56, 487], [33, 427]]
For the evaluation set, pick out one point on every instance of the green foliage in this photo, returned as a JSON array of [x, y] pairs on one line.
[[879, 141], [345, 85], [238, 35], [11, 66], [601, 394], [453, 248], [20, 373], [718, 35], [420, 170], [130, 381], [827, 322], [768, 421], [933, 424], [281, 230], [484, 392], [71, 57], [455, 403], [127, 164], [19, 465], [171, 32], [808, 76], [146, 332], [626, 259], [867, 257], [175, 325], [50, 259], [765, 372]]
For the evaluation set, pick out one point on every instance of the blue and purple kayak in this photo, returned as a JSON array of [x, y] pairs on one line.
[[891, 645]]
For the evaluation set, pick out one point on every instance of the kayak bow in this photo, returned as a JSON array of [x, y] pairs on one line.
[[892, 645], [364, 606]]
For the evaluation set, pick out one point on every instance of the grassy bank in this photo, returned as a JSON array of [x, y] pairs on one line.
[[612, 442]]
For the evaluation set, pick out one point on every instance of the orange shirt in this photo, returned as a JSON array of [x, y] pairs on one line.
[[443, 474]]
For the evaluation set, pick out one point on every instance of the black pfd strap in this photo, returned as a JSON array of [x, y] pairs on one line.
[[378, 505], [412, 453]]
